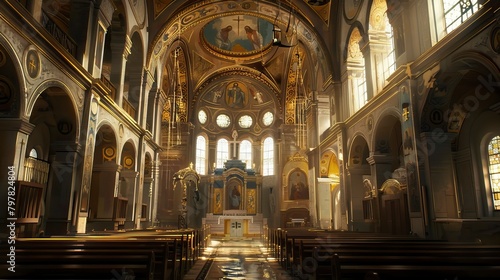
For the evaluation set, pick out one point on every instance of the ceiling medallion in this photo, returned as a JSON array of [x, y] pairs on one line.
[[33, 64], [3, 58], [238, 35]]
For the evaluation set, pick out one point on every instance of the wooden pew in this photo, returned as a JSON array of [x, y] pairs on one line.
[[355, 259], [351, 255], [59, 261], [171, 254]]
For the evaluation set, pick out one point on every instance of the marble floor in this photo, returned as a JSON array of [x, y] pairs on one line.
[[238, 258]]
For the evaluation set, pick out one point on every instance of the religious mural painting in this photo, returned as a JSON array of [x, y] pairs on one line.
[[217, 201], [238, 34], [234, 191], [297, 185], [236, 95], [251, 201]]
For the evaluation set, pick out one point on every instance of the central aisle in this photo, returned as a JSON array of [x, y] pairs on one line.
[[237, 258]]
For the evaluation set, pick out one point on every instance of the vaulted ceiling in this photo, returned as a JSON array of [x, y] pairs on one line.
[[280, 31]]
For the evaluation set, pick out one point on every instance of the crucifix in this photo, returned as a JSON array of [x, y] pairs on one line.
[[238, 20], [234, 142]]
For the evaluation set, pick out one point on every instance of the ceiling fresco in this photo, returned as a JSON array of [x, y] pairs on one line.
[[238, 34]]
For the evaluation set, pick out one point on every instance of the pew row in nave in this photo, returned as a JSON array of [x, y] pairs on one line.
[[136, 254], [345, 255]]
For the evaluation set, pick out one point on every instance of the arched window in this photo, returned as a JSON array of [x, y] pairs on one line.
[[201, 155], [33, 153], [246, 153], [494, 170], [389, 60], [382, 52], [456, 12], [449, 14], [356, 73], [222, 152], [268, 157]]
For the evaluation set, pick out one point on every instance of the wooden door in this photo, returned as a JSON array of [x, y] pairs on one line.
[[394, 217]]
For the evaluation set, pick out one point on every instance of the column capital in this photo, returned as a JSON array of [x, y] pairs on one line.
[[107, 8], [17, 125], [109, 166], [379, 158]]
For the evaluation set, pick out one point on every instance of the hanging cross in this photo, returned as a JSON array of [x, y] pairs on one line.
[[238, 20], [406, 113]]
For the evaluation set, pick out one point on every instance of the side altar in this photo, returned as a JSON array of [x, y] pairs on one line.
[[235, 208]]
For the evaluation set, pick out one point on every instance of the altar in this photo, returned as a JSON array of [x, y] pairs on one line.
[[235, 205], [231, 225]]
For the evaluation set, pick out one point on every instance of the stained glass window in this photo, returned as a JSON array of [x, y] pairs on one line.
[[494, 170], [456, 12], [33, 153], [223, 120], [245, 121], [268, 118], [202, 116]]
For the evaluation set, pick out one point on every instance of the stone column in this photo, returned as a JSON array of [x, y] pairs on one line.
[[324, 203], [120, 52], [142, 110], [355, 181], [155, 186], [128, 188], [15, 133]]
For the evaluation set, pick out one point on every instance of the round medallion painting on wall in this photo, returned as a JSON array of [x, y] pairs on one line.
[[238, 35]]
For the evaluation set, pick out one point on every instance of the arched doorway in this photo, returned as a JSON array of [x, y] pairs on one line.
[[105, 173], [54, 141], [128, 182], [358, 170]]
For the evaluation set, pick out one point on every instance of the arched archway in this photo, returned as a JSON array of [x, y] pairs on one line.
[[388, 149], [54, 138], [358, 170], [328, 202], [105, 172], [128, 181]]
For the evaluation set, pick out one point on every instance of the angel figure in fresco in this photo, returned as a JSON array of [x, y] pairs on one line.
[[223, 38], [257, 95], [254, 36]]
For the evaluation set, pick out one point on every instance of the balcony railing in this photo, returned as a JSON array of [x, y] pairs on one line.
[[128, 108], [64, 39], [107, 83], [36, 171], [28, 202]]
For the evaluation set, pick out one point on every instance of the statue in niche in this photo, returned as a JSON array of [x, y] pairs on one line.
[[370, 190]]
